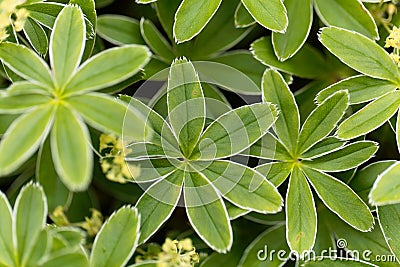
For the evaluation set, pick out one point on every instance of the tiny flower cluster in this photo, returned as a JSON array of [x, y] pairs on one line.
[[393, 40], [11, 15]]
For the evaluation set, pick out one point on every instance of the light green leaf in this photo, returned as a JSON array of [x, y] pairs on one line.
[[108, 68], [117, 239], [287, 44], [66, 56], [207, 213], [29, 215], [345, 158], [301, 214], [151, 169], [42, 245], [398, 131], [338, 197], [109, 114], [268, 147], [26, 88], [241, 185], [186, 105], [25, 63], [360, 53], [270, 14], [67, 258], [71, 149], [235, 131], [322, 120], [45, 12], [386, 187], [307, 63], [16, 104], [273, 239], [323, 147], [36, 36], [370, 117], [119, 30], [234, 212], [6, 237], [275, 90], [156, 41], [145, 1], [18, 144], [389, 222], [192, 16], [339, 262], [243, 18], [347, 14], [275, 172], [158, 202], [361, 89]]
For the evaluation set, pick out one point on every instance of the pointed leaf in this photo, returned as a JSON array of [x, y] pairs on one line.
[[323, 120], [186, 105], [235, 131], [341, 199], [275, 172], [36, 36], [301, 214], [157, 204], [30, 214], [345, 158], [25, 63], [243, 18], [268, 147], [71, 150], [242, 186], [119, 30], [108, 68], [26, 88], [45, 12], [192, 16], [270, 14], [66, 56], [323, 147], [287, 44], [360, 53], [117, 239], [16, 104], [275, 90], [370, 117], [6, 237], [386, 187], [18, 144], [389, 222], [347, 14], [207, 213]]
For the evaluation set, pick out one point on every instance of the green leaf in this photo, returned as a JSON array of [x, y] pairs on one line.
[[287, 44], [273, 239], [25, 63], [241, 185], [71, 149], [361, 89], [109, 114], [268, 147], [360, 53], [66, 56], [119, 30], [270, 14], [18, 144], [323, 147], [6, 121], [117, 239], [242, 17], [307, 63], [158, 202], [370, 117], [338, 197], [186, 105], [322, 120], [145, 1], [6, 236], [347, 14], [67, 258], [56, 192], [234, 212], [166, 14], [30, 214], [157, 43], [191, 17], [345, 158], [301, 214], [16, 104], [45, 12], [386, 187], [108, 68], [275, 172], [36, 36], [207, 213], [398, 131], [235, 131], [152, 169], [389, 221], [337, 262], [275, 90]]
